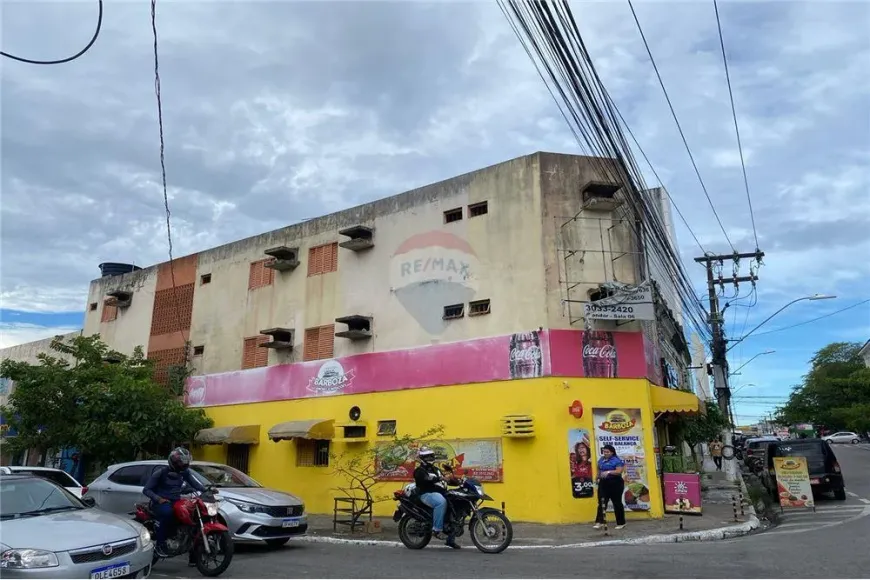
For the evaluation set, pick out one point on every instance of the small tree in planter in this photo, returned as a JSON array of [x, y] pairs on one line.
[[361, 473], [698, 429]]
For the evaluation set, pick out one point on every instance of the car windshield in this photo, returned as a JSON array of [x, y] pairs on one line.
[[32, 496], [223, 476]]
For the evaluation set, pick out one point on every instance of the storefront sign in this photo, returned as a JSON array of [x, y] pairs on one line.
[[562, 353], [622, 428], [622, 306], [793, 482], [580, 456], [576, 409], [682, 493], [480, 459]]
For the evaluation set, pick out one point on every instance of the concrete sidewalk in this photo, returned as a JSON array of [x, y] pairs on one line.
[[716, 522]]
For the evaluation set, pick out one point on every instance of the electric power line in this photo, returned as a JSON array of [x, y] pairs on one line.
[[68, 59], [736, 126], [679, 127], [812, 319]]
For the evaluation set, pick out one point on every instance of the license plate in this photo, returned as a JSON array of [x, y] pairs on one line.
[[814, 482], [290, 524], [113, 571]]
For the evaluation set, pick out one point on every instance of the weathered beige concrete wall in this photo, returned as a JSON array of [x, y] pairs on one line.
[[29, 353], [132, 327]]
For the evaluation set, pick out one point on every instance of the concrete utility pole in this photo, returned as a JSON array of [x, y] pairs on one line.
[[717, 319]]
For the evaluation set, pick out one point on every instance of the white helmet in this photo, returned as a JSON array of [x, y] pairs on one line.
[[426, 455]]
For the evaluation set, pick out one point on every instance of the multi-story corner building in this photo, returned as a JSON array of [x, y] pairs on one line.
[[465, 303]]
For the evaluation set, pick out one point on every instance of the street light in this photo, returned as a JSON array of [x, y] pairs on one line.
[[750, 360], [737, 341]]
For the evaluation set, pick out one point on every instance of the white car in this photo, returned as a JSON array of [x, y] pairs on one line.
[[842, 437], [59, 476]]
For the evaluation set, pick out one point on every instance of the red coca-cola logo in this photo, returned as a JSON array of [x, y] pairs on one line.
[[606, 351], [532, 354]]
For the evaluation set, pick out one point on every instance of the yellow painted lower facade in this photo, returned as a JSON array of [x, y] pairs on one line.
[[536, 484]]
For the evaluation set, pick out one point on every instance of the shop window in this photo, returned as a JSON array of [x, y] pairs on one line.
[[478, 209], [312, 453], [454, 311], [478, 307], [110, 312], [254, 356], [386, 428], [238, 456], [453, 215], [259, 275], [323, 259], [319, 342]]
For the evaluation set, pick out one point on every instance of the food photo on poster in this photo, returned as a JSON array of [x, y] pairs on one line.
[[623, 429], [580, 460]]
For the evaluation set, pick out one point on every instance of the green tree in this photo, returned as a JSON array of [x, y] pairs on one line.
[[701, 428], [101, 402], [834, 393]]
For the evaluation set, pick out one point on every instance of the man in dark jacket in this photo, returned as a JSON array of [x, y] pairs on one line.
[[164, 489], [430, 485]]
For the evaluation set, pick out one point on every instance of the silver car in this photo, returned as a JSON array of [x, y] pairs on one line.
[[49, 533], [842, 437], [251, 512]]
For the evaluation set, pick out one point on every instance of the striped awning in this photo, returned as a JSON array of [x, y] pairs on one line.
[[674, 401]]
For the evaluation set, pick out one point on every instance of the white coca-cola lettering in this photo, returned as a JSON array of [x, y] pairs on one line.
[[531, 354], [606, 351]]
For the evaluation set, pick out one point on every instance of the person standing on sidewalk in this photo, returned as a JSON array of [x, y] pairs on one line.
[[716, 451], [611, 486]]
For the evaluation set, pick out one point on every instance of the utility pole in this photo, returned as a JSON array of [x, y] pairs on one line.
[[718, 347]]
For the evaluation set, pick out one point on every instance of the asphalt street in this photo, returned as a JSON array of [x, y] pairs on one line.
[[830, 543]]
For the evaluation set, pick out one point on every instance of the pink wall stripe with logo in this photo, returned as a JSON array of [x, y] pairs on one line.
[[524, 355]]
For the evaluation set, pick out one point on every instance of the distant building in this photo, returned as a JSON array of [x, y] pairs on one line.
[[865, 353]]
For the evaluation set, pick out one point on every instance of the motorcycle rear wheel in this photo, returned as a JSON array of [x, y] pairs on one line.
[[418, 540], [479, 525], [223, 543]]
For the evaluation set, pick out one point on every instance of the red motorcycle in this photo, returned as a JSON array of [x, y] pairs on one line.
[[197, 530]]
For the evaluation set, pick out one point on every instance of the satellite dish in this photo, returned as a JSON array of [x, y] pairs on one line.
[[355, 413]]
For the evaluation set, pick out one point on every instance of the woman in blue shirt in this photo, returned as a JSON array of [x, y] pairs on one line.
[[611, 486]]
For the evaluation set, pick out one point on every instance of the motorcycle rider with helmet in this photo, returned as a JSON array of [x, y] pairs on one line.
[[429, 480], [164, 489]]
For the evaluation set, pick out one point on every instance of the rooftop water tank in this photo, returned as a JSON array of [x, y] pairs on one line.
[[116, 269]]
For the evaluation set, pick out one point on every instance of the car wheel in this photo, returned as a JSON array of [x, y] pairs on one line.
[[840, 494], [277, 543], [855, 441]]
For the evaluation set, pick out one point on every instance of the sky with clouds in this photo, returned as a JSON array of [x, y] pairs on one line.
[[325, 105]]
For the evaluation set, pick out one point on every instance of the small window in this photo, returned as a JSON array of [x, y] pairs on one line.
[[198, 350], [386, 428], [312, 453], [259, 276], [110, 312], [454, 311], [134, 475], [205, 279], [478, 307], [323, 259], [355, 432], [238, 456], [452, 215], [477, 209], [253, 355], [319, 343], [93, 306]]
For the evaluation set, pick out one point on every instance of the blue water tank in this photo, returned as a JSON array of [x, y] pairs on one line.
[[116, 269]]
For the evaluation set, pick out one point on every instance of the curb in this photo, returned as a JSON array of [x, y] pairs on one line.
[[699, 536]]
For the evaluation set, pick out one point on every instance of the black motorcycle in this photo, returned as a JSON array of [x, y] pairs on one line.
[[489, 528]]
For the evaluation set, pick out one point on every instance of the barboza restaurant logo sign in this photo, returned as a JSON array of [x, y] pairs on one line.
[[432, 270], [196, 391], [331, 378], [618, 422]]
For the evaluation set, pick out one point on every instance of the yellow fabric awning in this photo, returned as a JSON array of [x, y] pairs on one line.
[[241, 434], [674, 401], [307, 429]]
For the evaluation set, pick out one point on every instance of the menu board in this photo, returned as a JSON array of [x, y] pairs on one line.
[[623, 429], [793, 482]]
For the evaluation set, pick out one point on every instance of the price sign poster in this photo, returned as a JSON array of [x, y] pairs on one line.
[[580, 457], [793, 482]]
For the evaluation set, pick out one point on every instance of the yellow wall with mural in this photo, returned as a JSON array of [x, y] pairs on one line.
[[537, 478]]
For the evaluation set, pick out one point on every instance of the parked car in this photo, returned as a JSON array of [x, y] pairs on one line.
[[48, 532], [251, 512], [822, 465], [59, 476], [843, 437], [756, 449]]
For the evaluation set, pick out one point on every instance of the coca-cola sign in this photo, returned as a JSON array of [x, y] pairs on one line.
[[532, 354], [604, 351], [525, 357]]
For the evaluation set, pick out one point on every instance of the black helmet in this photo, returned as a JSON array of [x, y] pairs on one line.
[[179, 459]]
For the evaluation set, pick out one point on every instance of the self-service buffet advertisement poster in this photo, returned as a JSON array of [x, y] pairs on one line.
[[623, 429]]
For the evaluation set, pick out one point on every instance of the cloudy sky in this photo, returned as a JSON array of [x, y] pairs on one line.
[[280, 111]]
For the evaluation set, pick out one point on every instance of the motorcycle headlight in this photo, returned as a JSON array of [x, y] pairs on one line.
[[144, 537], [212, 509], [28, 559]]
